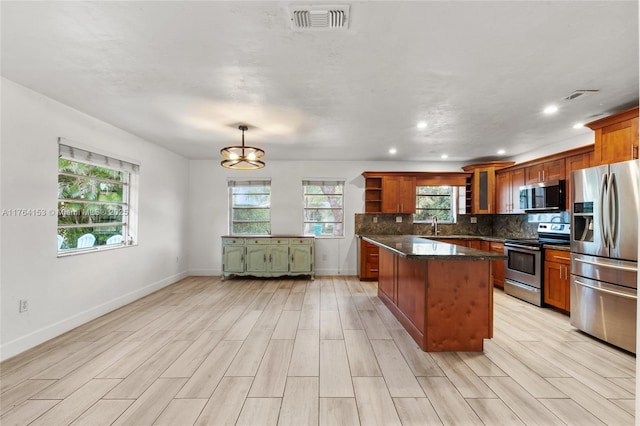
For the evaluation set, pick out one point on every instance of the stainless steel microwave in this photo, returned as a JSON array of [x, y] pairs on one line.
[[543, 196]]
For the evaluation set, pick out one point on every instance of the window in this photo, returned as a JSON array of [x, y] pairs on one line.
[[438, 201], [250, 205], [323, 208], [95, 201]]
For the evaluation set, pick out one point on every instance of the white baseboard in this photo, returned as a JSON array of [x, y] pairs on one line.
[[204, 272], [43, 334], [318, 272]]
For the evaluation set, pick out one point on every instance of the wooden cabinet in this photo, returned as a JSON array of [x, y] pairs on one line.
[[373, 194], [301, 250], [483, 190], [498, 265], [483, 186], [398, 194], [387, 277], [267, 256], [445, 305], [508, 183], [575, 162], [478, 244], [233, 255], [557, 276], [616, 137], [389, 192], [545, 172], [369, 261]]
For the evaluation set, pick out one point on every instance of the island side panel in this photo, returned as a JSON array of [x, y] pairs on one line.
[[412, 291], [387, 275], [459, 312]]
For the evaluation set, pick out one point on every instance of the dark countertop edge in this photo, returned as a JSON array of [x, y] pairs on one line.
[[465, 253], [451, 237], [268, 236]]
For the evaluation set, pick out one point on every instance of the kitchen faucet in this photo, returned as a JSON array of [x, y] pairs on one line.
[[434, 225]]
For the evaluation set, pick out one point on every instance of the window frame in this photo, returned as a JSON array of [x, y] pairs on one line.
[[126, 208], [337, 224], [454, 210], [233, 183]]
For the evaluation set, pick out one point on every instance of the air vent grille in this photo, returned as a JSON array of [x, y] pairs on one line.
[[319, 17]]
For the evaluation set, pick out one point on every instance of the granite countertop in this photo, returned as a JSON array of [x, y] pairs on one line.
[[465, 237], [416, 247]]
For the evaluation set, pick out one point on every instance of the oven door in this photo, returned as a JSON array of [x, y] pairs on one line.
[[524, 265]]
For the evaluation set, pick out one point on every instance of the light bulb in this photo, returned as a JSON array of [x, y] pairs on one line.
[[234, 156]]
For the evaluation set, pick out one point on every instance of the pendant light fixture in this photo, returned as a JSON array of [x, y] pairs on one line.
[[242, 157]]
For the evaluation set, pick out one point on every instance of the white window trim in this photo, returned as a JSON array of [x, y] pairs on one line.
[[231, 182], [340, 181], [80, 153], [454, 205]]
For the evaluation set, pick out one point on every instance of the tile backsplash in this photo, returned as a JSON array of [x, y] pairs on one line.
[[502, 226]]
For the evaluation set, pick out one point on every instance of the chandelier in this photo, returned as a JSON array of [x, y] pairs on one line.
[[242, 157]]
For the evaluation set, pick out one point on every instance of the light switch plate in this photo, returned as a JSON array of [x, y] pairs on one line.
[[474, 220], [399, 219]]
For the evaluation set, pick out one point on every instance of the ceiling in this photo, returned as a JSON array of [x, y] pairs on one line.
[[184, 75]]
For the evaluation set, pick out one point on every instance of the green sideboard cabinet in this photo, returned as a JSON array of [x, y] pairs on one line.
[[267, 256], [233, 255]]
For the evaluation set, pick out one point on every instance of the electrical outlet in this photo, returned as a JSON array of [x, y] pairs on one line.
[[474, 220], [375, 219], [399, 219], [24, 306]]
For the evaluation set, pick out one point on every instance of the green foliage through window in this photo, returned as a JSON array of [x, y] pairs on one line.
[[323, 208], [438, 201], [93, 201], [250, 205]]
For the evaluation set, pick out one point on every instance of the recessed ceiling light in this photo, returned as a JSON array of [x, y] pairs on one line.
[[443, 156], [578, 126], [392, 151], [422, 125], [501, 152], [551, 109]]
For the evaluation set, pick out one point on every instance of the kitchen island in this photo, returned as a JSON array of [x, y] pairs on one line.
[[441, 293]]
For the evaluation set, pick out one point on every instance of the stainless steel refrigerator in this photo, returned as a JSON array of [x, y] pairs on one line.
[[604, 252]]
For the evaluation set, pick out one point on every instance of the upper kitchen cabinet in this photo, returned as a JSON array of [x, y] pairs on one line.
[[545, 172], [398, 194], [508, 183], [616, 137], [483, 185], [389, 192], [576, 162]]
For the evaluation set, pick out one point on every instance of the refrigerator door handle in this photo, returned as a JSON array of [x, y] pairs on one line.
[[602, 207], [605, 265], [612, 194], [603, 290]]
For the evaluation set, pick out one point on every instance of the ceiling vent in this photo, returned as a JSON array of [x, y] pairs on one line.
[[580, 93], [307, 17]]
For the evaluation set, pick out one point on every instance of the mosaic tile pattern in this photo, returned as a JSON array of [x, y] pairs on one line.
[[501, 226]]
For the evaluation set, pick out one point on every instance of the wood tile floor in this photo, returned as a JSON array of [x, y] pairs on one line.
[[294, 352]]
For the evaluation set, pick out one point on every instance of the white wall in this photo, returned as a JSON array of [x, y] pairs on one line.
[[65, 292], [585, 137], [209, 216]]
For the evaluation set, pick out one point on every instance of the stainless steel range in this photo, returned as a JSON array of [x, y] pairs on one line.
[[523, 271]]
